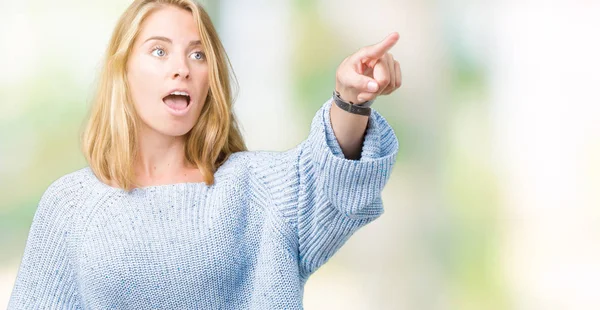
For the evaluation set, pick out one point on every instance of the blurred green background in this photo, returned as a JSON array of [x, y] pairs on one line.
[[493, 202]]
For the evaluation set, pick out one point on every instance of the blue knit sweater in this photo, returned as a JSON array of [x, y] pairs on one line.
[[249, 241]]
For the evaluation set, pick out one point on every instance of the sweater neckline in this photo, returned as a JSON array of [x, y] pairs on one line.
[[150, 188]]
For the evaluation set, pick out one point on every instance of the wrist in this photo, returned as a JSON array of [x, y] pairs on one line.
[[349, 97], [360, 109]]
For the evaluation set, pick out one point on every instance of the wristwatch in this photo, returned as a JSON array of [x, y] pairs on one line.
[[354, 108]]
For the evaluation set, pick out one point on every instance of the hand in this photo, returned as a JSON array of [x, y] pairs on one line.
[[369, 72]]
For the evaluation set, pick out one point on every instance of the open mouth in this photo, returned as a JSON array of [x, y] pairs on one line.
[[177, 102]]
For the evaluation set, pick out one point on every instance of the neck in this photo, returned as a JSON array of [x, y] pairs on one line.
[[160, 158]]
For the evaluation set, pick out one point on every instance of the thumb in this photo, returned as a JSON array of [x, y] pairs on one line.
[[360, 83]]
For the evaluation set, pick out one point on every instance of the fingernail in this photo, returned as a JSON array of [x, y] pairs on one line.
[[360, 100], [372, 86]]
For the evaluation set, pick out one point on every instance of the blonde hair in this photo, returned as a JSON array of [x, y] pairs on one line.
[[109, 137]]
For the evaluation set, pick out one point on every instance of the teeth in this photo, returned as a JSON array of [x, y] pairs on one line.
[[181, 93]]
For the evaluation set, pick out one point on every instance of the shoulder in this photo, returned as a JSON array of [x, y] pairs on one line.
[[259, 162], [265, 171], [70, 182], [66, 188], [270, 179]]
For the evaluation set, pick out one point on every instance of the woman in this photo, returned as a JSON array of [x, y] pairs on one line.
[[173, 211]]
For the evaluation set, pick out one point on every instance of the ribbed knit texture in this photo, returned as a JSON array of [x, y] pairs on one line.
[[249, 241]]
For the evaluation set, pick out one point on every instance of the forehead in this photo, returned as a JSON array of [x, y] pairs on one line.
[[172, 22]]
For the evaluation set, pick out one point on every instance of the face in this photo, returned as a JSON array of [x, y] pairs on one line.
[[167, 72]]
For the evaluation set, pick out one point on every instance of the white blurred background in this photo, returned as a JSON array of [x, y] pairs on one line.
[[494, 202]]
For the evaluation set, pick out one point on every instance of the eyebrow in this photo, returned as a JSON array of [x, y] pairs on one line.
[[159, 38]]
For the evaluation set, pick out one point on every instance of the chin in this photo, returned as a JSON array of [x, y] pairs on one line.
[[170, 128], [176, 132]]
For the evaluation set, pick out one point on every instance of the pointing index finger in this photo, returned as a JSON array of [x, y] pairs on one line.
[[377, 50]]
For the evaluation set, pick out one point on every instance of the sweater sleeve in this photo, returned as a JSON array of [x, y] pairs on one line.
[[336, 195], [45, 277], [322, 197]]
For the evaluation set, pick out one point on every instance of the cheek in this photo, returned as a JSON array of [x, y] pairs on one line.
[[201, 75], [144, 88], [147, 66], [144, 81]]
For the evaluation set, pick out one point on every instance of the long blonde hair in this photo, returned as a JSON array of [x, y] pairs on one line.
[[109, 137]]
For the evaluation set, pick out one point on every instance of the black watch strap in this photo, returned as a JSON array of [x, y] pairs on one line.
[[360, 109]]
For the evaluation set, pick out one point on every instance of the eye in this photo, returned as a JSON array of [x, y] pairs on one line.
[[198, 55], [158, 51]]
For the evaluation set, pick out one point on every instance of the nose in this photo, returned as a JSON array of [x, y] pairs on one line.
[[180, 70], [183, 73]]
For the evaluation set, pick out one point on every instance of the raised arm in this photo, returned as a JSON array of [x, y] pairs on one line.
[[370, 72]]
